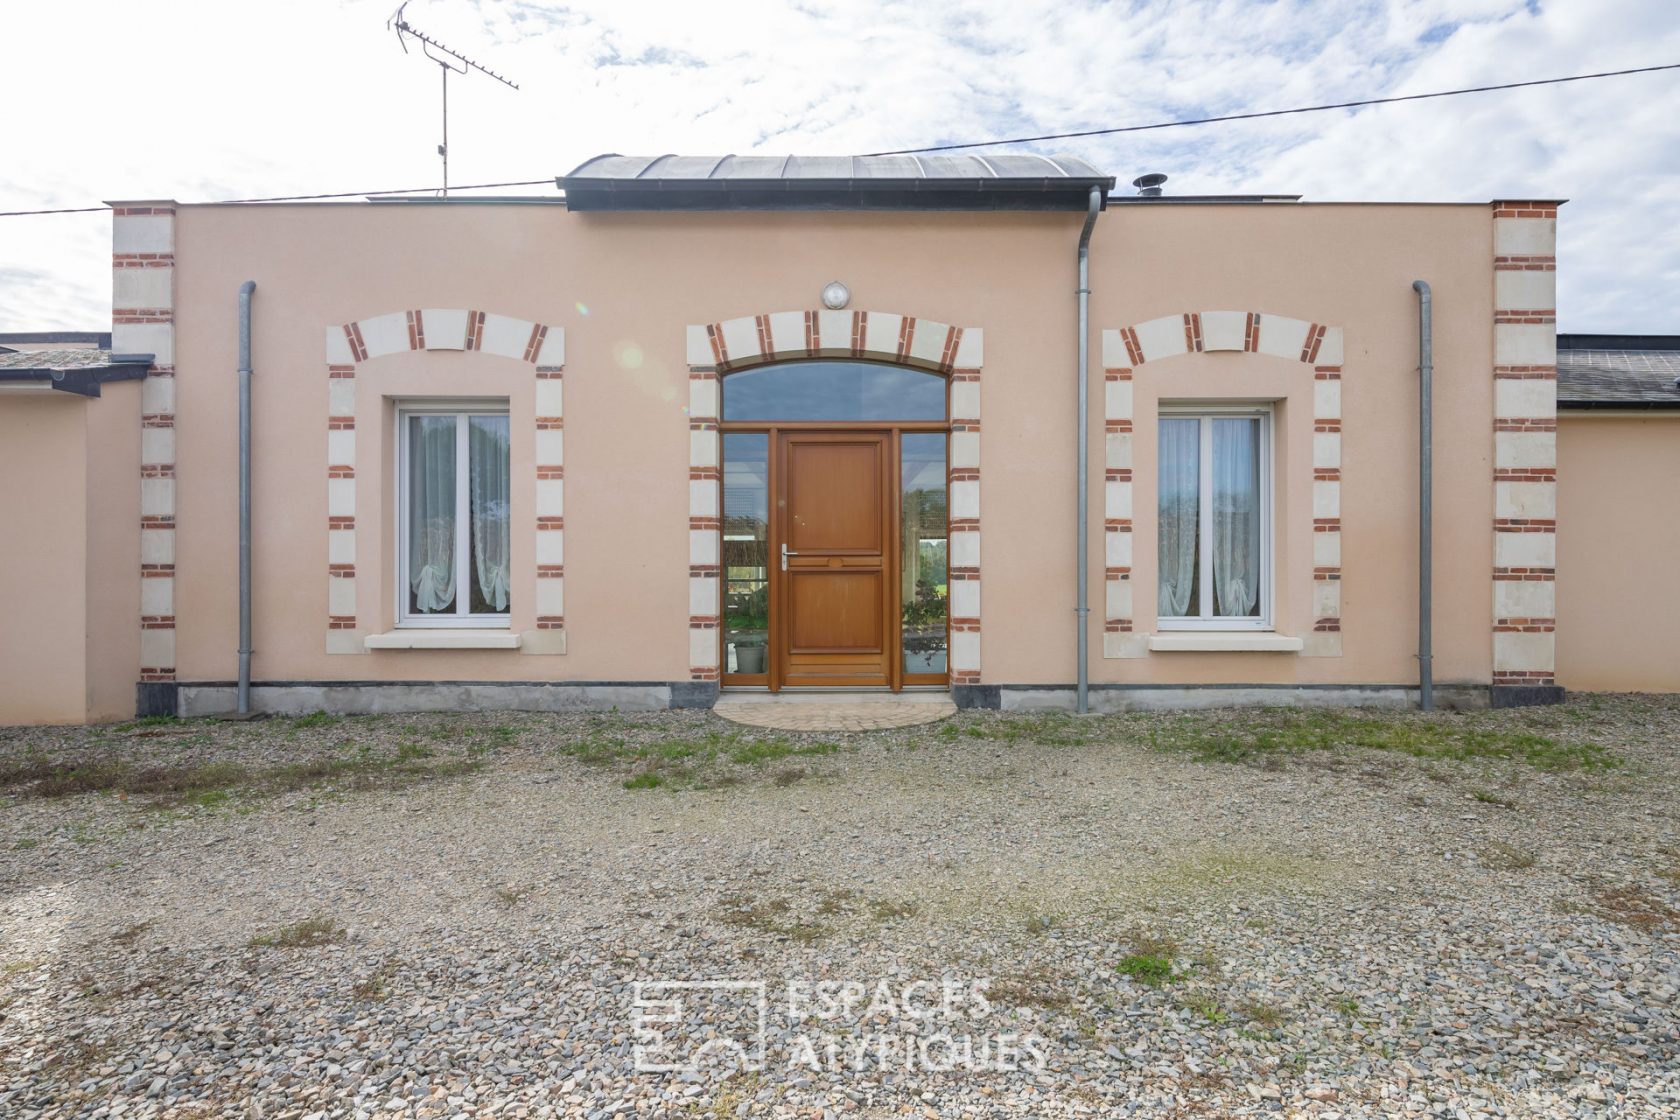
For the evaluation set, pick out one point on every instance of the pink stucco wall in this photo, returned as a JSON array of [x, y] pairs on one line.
[[67, 554], [625, 286], [1619, 534]]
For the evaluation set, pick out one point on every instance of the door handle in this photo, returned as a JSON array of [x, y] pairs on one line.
[[785, 555]]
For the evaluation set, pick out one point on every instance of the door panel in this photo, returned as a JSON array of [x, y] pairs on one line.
[[834, 611], [835, 616], [833, 496]]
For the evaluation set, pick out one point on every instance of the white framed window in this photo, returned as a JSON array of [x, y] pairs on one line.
[[452, 526], [1214, 524]]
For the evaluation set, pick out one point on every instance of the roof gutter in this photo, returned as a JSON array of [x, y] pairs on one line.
[[83, 382], [1082, 608]]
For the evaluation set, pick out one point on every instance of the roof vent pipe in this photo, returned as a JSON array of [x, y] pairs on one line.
[[1149, 186]]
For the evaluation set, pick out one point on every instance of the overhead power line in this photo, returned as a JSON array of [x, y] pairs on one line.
[[978, 143], [1273, 112], [297, 197]]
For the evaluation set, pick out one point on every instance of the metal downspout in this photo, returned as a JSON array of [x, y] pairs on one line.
[[1426, 537], [1083, 609], [245, 291]]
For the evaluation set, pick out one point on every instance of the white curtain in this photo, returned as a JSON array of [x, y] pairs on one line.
[[1236, 516], [487, 450], [431, 513], [1180, 460]]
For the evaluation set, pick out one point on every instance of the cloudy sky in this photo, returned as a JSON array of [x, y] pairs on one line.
[[233, 99]]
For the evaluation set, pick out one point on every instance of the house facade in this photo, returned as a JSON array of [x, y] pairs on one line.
[[761, 424]]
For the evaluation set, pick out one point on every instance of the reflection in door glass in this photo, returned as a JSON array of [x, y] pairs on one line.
[[924, 589], [746, 551]]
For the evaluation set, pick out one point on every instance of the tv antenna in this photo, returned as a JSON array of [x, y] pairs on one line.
[[455, 63]]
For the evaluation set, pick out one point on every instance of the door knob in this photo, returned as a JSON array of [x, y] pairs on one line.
[[785, 555]]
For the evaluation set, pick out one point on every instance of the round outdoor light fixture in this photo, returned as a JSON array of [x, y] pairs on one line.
[[836, 295]]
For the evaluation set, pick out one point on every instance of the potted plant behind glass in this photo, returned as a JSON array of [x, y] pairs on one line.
[[748, 627], [924, 629]]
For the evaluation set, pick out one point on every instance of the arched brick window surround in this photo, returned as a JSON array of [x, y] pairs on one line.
[[460, 329], [720, 348], [1318, 348]]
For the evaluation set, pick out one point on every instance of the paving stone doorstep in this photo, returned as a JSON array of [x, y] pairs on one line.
[[846, 715]]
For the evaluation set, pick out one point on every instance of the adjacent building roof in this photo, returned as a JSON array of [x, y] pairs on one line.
[[939, 182], [80, 370], [1640, 371], [52, 340]]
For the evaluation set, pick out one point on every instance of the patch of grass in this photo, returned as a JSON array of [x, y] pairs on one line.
[[315, 719], [1267, 1015], [836, 901], [212, 784], [769, 915], [1487, 798], [1042, 923], [129, 934], [1205, 1006], [758, 751], [734, 1099], [1253, 737], [511, 895], [147, 722], [1224, 868], [1148, 968], [25, 843], [1151, 960], [1634, 906], [1348, 1006], [1501, 856], [18, 968], [309, 933], [1045, 729], [693, 761], [1037, 988], [888, 909], [374, 987]]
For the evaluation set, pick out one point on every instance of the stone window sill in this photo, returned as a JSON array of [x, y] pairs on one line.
[[1222, 641], [444, 639]]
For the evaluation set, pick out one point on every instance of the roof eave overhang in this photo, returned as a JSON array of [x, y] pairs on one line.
[[82, 382]]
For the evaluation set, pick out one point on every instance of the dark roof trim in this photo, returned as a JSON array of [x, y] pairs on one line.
[[1597, 341], [100, 340], [1013, 182], [85, 381], [1618, 406]]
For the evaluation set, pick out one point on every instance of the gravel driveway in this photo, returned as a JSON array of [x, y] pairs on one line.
[[1154, 916]]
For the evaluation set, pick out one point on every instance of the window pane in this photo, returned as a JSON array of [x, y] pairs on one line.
[[833, 391], [746, 551], [487, 489], [1180, 516], [925, 588], [1236, 517], [431, 514]]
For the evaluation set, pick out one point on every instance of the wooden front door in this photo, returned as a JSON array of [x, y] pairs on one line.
[[833, 602]]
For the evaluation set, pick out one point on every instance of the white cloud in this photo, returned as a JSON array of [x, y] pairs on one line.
[[217, 100]]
